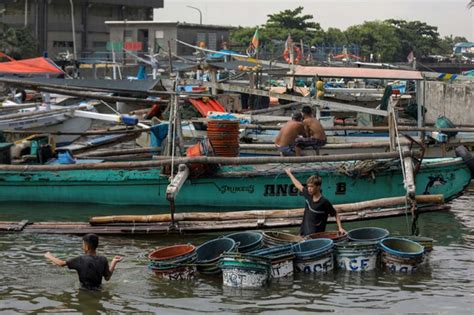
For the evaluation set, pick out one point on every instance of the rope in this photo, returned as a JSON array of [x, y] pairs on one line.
[[173, 135]]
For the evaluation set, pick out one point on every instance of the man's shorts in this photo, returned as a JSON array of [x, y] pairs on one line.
[[287, 150], [310, 143]]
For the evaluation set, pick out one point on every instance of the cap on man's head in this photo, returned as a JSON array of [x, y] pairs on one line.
[[297, 116]]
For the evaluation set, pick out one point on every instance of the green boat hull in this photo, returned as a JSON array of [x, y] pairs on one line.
[[227, 189]]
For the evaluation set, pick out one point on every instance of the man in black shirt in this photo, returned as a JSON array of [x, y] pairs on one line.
[[317, 208], [90, 267]]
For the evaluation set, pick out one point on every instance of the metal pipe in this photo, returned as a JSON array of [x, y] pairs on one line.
[[200, 13], [73, 29], [26, 13]]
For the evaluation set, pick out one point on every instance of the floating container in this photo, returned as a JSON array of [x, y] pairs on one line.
[[281, 259], [224, 137], [357, 256], [368, 234], [314, 255], [248, 241], [426, 242], [333, 235], [209, 254], [244, 271], [400, 254], [275, 238], [173, 262]]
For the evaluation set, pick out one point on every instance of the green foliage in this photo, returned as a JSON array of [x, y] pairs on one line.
[[17, 43], [389, 41], [375, 37], [416, 36]]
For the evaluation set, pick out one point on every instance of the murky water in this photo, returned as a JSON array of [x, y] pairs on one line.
[[28, 284]]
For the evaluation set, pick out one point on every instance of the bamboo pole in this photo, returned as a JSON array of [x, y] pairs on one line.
[[273, 108], [260, 214], [363, 128], [86, 133], [104, 153], [206, 160]]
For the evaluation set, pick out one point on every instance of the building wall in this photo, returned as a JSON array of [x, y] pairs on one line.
[[90, 15], [453, 100], [161, 33], [213, 38]]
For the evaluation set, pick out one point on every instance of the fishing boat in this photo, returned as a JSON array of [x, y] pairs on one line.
[[239, 187]]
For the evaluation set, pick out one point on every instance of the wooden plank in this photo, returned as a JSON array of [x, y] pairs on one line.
[[207, 160]]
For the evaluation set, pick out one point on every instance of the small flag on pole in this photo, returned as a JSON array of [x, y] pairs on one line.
[[253, 47]]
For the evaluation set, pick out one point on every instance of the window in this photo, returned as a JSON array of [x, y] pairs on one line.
[[212, 41], [63, 44], [128, 36]]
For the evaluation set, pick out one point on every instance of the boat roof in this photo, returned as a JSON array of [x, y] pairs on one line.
[[363, 73], [26, 67]]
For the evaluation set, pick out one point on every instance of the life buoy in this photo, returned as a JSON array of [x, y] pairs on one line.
[[297, 55], [466, 156]]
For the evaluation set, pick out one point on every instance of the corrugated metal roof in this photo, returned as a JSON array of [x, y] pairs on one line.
[[363, 73]]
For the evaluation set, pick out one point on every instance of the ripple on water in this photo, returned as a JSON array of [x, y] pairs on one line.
[[29, 284]]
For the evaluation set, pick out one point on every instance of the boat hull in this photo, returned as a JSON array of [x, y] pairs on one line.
[[229, 189]]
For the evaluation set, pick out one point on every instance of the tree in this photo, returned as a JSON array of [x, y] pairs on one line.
[[335, 37], [17, 43], [416, 36], [292, 22], [375, 37]]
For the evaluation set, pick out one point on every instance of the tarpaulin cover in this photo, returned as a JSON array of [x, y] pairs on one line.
[[207, 106], [38, 65]]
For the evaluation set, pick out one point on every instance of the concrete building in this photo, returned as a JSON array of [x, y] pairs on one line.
[[155, 34], [51, 21]]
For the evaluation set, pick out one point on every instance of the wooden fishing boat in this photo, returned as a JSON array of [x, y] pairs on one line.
[[237, 187]]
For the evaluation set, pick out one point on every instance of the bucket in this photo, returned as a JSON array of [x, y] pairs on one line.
[[224, 137], [336, 236], [426, 242], [275, 238], [443, 122], [209, 254], [244, 271], [357, 256], [248, 241], [400, 254], [368, 234], [173, 262], [281, 259], [314, 255]]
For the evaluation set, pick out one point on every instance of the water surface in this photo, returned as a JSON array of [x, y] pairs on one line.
[[29, 284]]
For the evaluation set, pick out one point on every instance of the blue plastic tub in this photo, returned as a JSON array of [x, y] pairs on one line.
[[368, 234]]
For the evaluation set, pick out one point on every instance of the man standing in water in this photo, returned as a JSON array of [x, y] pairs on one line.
[[315, 135], [285, 141], [90, 267], [317, 208]]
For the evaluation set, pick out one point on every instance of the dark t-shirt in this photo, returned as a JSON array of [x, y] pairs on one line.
[[315, 214], [90, 269]]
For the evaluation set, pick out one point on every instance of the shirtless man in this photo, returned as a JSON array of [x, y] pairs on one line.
[[285, 141], [316, 137]]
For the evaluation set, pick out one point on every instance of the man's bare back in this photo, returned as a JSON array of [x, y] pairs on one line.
[[314, 129], [289, 132]]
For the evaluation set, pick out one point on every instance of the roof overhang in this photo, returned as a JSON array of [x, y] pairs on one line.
[[362, 73]]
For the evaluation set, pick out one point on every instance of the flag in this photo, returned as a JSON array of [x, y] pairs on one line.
[[255, 40], [252, 50], [411, 57]]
